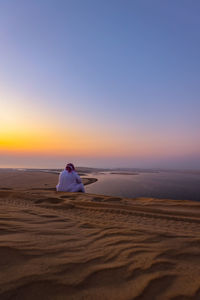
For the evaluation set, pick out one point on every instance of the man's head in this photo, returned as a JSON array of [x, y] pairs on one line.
[[70, 167]]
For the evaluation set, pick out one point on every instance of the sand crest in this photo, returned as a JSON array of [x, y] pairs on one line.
[[82, 246]]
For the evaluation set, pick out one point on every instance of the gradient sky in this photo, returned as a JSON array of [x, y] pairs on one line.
[[100, 83]]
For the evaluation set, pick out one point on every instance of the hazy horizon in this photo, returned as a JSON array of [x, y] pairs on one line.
[[98, 162], [100, 83]]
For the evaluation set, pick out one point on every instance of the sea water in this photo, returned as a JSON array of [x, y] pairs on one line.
[[163, 185]]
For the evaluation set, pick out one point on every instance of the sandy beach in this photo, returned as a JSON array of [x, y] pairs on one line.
[[85, 246]]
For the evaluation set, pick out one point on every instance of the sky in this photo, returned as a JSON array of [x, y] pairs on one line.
[[102, 83]]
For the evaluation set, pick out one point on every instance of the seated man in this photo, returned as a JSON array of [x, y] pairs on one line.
[[69, 181]]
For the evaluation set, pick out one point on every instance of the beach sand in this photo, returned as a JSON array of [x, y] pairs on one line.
[[83, 246]]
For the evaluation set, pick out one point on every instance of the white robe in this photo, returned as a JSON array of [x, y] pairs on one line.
[[69, 182]]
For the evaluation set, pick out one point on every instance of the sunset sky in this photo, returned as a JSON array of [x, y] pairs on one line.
[[112, 83]]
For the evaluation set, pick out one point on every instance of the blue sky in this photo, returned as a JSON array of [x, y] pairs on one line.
[[123, 74]]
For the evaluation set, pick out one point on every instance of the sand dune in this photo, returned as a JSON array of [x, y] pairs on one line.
[[10, 179], [81, 246]]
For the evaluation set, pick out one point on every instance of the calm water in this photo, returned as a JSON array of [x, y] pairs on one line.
[[185, 186]]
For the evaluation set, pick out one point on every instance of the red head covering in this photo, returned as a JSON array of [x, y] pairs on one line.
[[70, 167]]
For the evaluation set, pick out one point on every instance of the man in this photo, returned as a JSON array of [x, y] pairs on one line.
[[69, 180]]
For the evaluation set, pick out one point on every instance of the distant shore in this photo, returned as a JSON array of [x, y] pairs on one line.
[[124, 173]]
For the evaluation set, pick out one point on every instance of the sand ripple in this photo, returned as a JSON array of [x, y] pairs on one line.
[[76, 246]]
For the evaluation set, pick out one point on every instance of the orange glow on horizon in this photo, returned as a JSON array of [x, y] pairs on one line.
[[41, 142], [39, 139], [51, 143], [27, 133]]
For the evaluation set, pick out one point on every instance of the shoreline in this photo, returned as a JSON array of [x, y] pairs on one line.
[[89, 180]]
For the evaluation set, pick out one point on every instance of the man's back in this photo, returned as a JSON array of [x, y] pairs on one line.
[[70, 181], [66, 180]]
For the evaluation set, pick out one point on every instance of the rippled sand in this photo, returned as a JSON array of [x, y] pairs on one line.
[[80, 246]]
